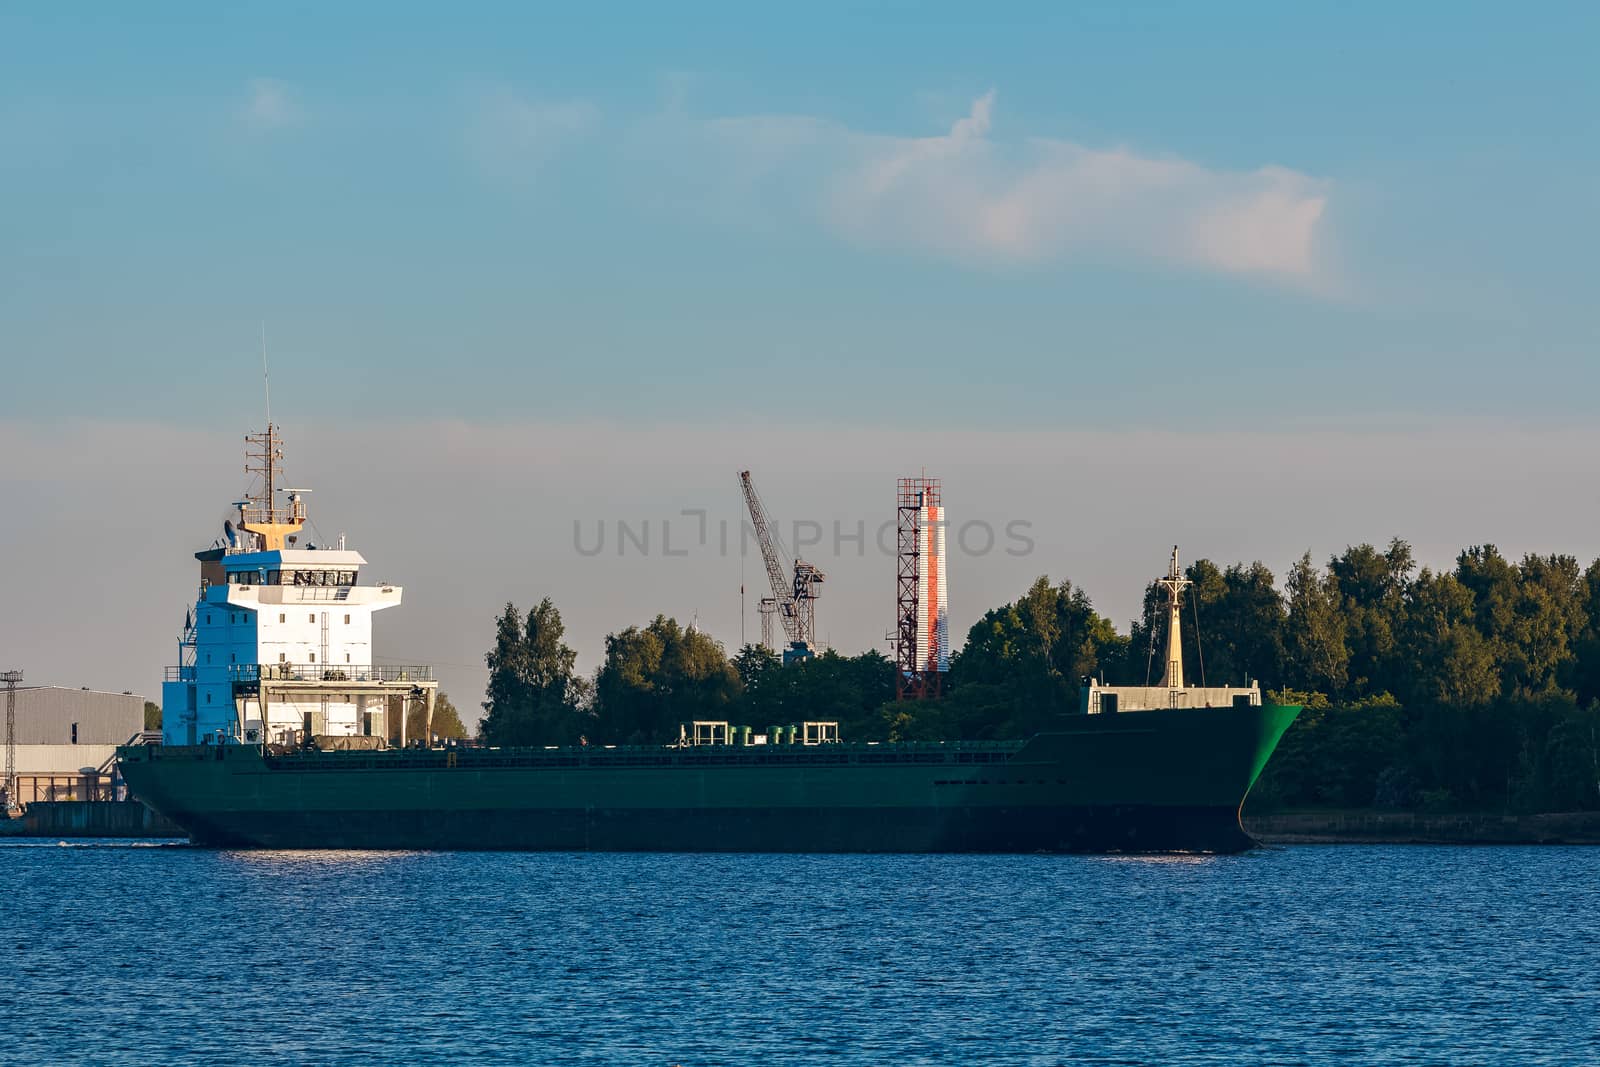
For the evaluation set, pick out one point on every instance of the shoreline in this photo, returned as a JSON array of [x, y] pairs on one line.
[[1369, 827]]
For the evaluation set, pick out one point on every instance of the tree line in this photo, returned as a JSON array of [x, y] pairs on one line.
[[1476, 687]]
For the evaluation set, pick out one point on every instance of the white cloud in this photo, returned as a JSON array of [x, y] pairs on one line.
[[513, 134], [270, 105], [966, 194]]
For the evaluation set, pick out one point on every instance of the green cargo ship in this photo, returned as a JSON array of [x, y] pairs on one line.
[[275, 719], [1148, 781]]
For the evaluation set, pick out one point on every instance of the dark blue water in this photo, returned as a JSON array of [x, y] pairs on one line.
[[169, 955]]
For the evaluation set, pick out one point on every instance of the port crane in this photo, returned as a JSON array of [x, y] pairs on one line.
[[794, 597]]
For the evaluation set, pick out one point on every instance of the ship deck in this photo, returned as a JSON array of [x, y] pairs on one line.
[[601, 756]]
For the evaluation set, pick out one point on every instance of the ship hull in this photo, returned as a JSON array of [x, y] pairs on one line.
[[1160, 781], [1137, 828]]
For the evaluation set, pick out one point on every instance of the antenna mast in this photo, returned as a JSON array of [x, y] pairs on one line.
[[11, 678], [266, 380], [261, 514], [1174, 584]]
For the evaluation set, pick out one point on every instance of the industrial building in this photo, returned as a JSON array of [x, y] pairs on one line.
[[66, 741]]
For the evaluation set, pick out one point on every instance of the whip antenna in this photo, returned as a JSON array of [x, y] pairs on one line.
[[266, 382]]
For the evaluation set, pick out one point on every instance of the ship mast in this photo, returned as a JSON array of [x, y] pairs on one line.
[[261, 514], [1174, 584]]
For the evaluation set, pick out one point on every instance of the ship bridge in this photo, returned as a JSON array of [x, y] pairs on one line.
[[278, 646], [296, 568]]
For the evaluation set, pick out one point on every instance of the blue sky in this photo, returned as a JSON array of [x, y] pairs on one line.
[[563, 264], [519, 211]]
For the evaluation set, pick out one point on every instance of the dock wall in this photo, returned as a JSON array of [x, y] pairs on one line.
[[91, 818]]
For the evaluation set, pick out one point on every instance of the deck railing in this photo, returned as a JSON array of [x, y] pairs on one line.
[[311, 672], [295, 512], [328, 672]]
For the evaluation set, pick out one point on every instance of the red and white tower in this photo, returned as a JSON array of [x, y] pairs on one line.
[[922, 628]]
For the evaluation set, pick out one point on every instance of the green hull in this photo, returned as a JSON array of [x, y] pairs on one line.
[[1150, 781]]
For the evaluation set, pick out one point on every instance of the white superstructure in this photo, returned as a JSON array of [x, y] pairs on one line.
[[278, 646]]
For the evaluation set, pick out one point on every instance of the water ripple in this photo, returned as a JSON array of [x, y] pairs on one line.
[[174, 955]]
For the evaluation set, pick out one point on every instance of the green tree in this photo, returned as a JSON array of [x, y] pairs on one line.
[[849, 690], [1492, 581], [1449, 661], [1232, 624], [1548, 620], [1084, 641], [1570, 778], [660, 677], [1022, 665], [1334, 756], [152, 715], [1585, 672], [1315, 630], [1202, 653], [1372, 587], [762, 684], [997, 676], [533, 695], [447, 724], [1244, 628]]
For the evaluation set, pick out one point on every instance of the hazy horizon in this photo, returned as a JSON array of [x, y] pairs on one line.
[[469, 517]]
